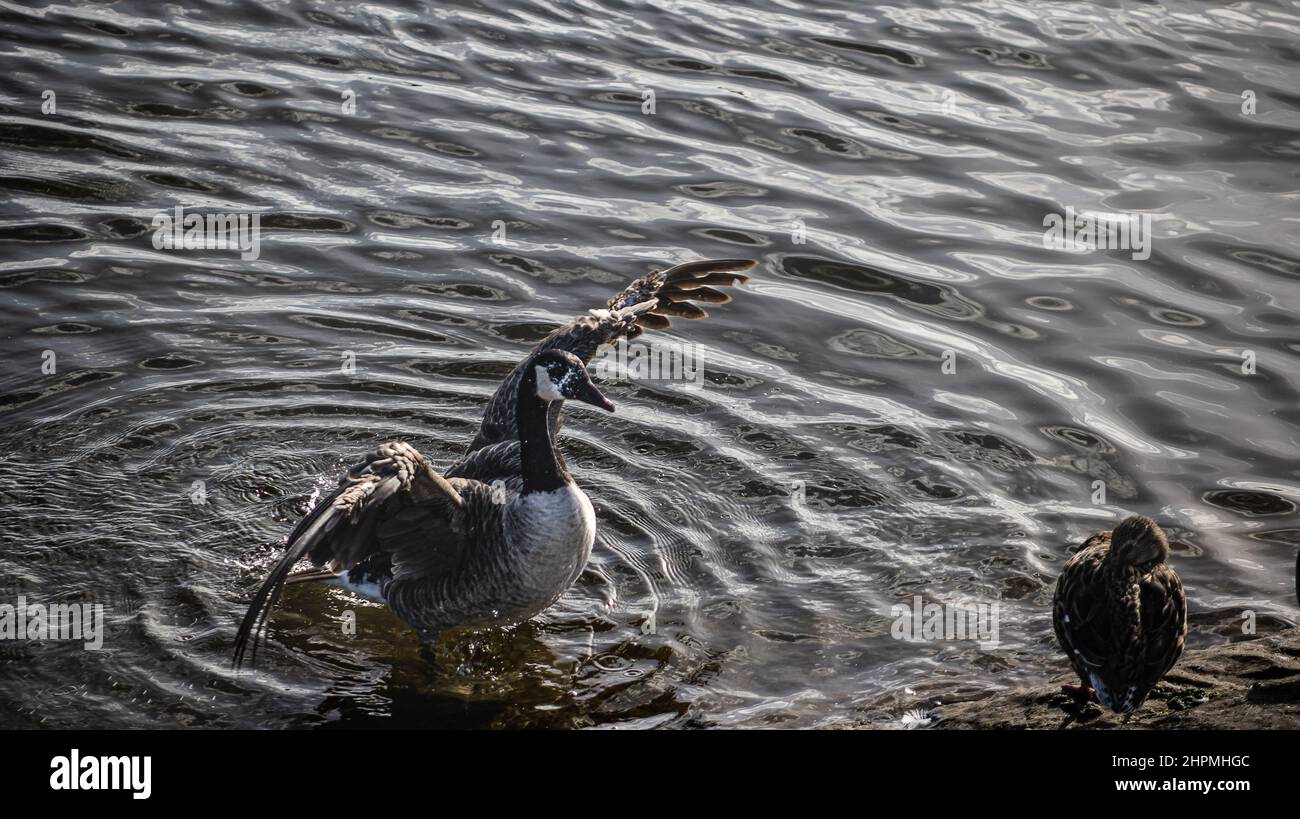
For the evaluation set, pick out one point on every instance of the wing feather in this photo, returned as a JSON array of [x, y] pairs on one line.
[[391, 507], [1080, 616], [1164, 620], [649, 302]]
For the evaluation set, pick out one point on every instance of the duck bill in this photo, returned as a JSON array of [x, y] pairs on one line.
[[588, 394]]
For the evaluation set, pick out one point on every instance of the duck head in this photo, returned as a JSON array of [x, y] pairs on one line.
[[562, 376], [1139, 540]]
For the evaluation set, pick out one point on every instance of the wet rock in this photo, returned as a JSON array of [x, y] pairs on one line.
[[1248, 684]]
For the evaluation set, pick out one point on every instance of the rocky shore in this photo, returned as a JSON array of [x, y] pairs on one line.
[[1249, 684]]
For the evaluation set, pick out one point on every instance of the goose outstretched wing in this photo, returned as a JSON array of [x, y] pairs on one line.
[[650, 302], [391, 507]]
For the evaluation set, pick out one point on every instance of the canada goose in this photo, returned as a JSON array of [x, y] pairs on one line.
[[504, 531], [1120, 614]]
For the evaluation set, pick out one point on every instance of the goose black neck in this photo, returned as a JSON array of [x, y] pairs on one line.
[[543, 468]]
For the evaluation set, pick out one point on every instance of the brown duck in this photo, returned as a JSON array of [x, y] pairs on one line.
[[1120, 614]]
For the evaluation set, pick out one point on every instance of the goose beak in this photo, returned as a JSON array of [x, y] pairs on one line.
[[588, 394]]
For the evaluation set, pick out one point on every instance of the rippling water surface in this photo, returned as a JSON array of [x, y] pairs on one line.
[[890, 168]]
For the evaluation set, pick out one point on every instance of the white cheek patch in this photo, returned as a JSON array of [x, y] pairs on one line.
[[546, 389]]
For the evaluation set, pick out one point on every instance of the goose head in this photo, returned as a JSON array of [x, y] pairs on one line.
[[1139, 540], [562, 376]]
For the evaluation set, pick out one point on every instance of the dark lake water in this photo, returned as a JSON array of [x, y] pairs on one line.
[[913, 397]]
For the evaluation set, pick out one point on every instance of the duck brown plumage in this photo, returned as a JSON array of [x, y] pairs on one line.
[[1120, 613]]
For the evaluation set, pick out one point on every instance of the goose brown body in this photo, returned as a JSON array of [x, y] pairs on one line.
[[1120, 613]]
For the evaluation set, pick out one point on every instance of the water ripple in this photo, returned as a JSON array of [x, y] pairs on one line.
[[913, 397]]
